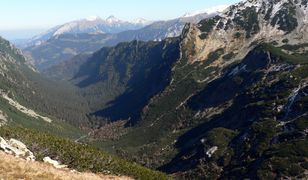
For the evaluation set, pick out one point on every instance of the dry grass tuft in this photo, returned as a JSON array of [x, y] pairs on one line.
[[12, 168]]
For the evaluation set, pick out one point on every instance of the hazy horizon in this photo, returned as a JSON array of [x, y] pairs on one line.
[[28, 18]]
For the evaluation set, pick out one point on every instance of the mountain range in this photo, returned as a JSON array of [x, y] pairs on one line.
[[236, 87], [66, 41], [90, 25], [224, 99]]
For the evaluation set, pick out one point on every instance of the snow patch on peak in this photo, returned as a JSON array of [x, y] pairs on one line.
[[141, 21], [216, 9], [211, 10], [113, 19], [90, 25]]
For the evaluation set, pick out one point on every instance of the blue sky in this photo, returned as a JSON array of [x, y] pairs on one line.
[[35, 15]]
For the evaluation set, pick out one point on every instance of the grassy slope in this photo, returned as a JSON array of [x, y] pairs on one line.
[[77, 156], [14, 168]]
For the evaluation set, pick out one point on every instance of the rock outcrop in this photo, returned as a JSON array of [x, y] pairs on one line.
[[211, 151], [54, 163], [16, 148], [20, 150]]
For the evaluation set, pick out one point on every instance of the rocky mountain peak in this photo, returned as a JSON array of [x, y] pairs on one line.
[[89, 25], [141, 21], [244, 24], [212, 10], [9, 52], [113, 19]]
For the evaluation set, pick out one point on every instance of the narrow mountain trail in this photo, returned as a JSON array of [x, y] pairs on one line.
[[84, 136]]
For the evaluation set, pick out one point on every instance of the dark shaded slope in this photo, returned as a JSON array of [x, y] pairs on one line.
[[140, 69]]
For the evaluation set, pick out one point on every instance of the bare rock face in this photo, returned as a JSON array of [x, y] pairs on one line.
[[3, 118], [245, 24], [16, 148], [211, 151]]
